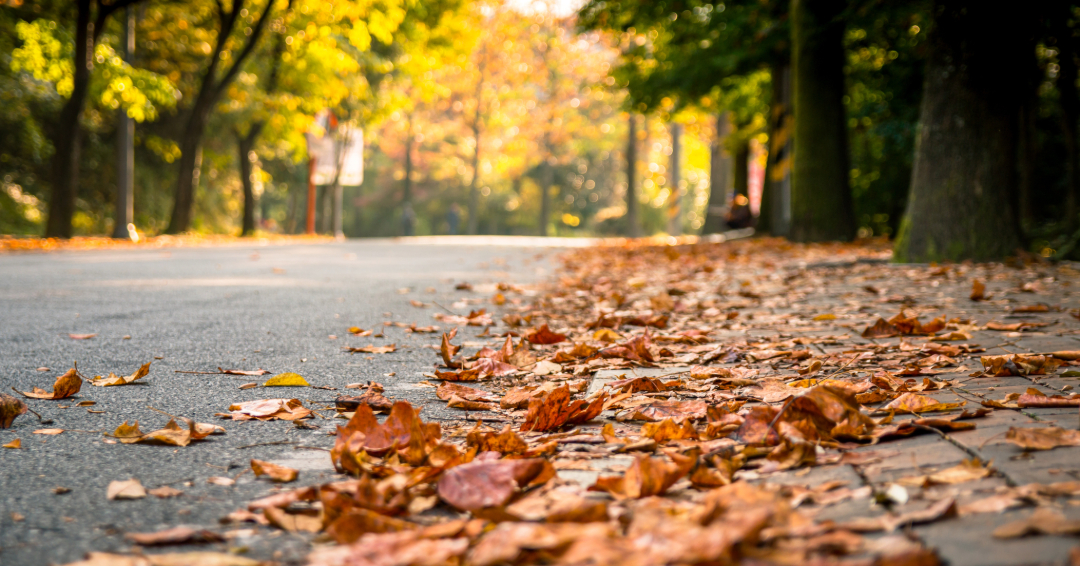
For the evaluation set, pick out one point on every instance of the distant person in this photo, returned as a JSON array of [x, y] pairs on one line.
[[453, 218], [739, 215], [408, 220]]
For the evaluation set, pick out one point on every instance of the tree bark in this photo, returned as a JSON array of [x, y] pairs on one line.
[[406, 192], [742, 168], [775, 216], [68, 140], [124, 211], [675, 212], [245, 144], [547, 179], [633, 224], [1070, 115], [961, 204], [719, 170], [209, 92], [821, 203]]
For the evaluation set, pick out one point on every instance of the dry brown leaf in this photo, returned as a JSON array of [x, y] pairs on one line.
[[66, 385], [114, 379], [646, 477], [10, 407], [171, 435], [456, 402], [267, 409], [491, 483], [175, 535], [556, 409], [16, 443], [1043, 520], [164, 492], [544, 335], [373, 349], [273, 471], [978, 290], [915, 403], [1019, 365], [968, 470], [49, 431], [81, 336], [1046, 438], [127, 489]]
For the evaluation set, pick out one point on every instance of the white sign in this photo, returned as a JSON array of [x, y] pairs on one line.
[[325, 146]]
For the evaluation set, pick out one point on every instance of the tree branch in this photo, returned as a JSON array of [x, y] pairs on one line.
[[249, 47]]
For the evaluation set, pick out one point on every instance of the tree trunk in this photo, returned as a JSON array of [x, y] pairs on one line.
[[742, 168], [245, 145], [775, 216], [1070, 115], [209, 91], [633, 225], [719, 171], [474, 190], [547, 179], [68, 140], [125, 149], [675, 212], [821, 203], [961, 204], [406, 192]]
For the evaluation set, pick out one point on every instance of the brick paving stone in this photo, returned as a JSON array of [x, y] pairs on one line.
[[966, 541]]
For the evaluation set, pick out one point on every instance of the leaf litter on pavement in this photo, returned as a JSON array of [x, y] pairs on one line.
[[751, 375]]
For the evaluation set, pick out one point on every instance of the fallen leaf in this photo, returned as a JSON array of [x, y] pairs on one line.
[[1019, 365], [81, 336], [915, 403], [164, 492], [165, 559], [544, 335], [978, 290], [66, 385], [491, 483], [1046, 438], [251, 373], [175, 535], [16, 443], [10, 408], [267, 409], [220, 480], [114, 379], [127, 489], [546, 368], [446, 390], [1043, 520], [373, 349], [556, 409], [646, 477], [456, 402], [171, 434], [49, 431], [880, 329], [968, 470], [288, 379], [273, 471]]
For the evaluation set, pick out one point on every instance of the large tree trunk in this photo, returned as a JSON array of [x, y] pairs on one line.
[[474, 189], [742, 168], [245, 145], [68, 140], [633, 224], [675, 213], [821, 200], [209, 91], [409, 227], [124, 211], [775, 216], [1070, 115], [547, 179], [719, 170], [961, 204]]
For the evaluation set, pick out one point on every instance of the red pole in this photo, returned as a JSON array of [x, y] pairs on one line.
[[311, 196]]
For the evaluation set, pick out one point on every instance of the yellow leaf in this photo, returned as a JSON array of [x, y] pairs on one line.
[[14, 444], [286, 380], [825, 317]]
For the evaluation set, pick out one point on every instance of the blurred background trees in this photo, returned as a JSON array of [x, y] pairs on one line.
[[513, 117]]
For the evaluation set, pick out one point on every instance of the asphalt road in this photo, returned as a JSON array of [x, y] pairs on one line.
[[197, 309]]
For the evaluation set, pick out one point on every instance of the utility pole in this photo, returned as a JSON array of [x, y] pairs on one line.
[[123, 226]]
